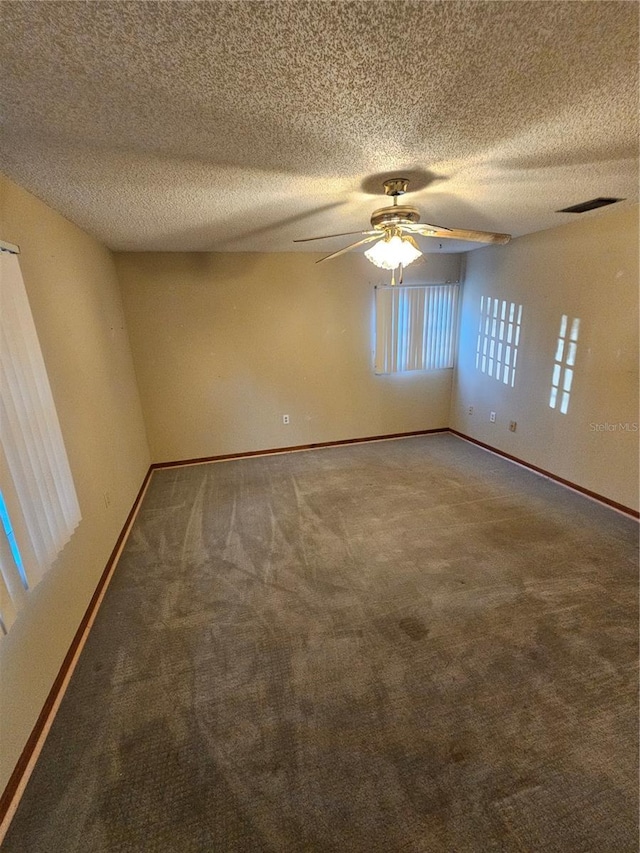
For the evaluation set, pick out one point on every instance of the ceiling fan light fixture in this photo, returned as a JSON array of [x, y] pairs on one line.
[[392, 228], [392, 251]]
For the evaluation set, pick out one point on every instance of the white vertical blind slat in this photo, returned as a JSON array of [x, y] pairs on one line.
[[429, 327], [437, 323], [23, 431], [34, 475], [23, 424], [31, 565], [10, 574], [35, 414], [442, 338]]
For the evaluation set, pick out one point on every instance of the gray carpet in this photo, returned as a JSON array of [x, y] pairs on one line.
[[409, 645]]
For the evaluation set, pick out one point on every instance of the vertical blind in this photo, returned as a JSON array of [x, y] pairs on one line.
[[415, 327], [38, 499]]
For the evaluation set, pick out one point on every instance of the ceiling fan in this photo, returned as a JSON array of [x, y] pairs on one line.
[[392, 230]]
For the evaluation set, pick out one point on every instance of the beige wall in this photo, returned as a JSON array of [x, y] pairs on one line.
[[225, 344], [75, 300], [587, 269]]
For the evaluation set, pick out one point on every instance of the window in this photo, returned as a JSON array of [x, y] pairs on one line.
[[564, 363], [39, 508], [498, 339], [415, 327]]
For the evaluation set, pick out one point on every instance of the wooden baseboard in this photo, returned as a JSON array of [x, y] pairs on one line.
[[20, 776], [293, 448], [594, 495]]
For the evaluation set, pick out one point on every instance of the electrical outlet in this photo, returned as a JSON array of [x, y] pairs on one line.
[[470, 410], [492, 417], [513, 426], [285, 419]]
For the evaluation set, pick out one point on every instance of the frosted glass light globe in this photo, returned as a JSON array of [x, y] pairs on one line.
[[388, 254]]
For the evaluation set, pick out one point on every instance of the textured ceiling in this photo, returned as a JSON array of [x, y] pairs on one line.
[[239, 126]]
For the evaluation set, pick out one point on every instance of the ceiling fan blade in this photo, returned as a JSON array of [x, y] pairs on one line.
[[417, 227], [328, 236], [376, 236], [461, 234]]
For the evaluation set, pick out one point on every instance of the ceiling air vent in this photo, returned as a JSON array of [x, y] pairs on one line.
[[589, 205]]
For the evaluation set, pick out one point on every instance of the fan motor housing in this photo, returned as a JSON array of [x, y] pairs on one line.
[[399, 214]]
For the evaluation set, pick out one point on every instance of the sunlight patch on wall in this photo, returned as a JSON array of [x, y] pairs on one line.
[[498, 339], [564, 364]]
